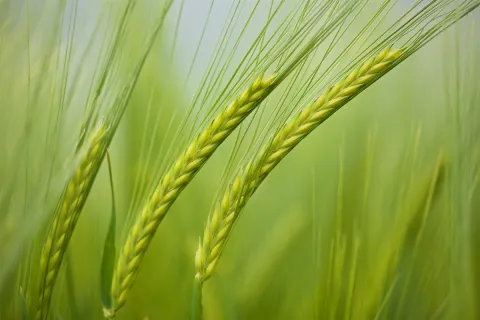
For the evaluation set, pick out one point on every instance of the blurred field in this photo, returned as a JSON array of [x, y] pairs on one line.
[[373, 216]]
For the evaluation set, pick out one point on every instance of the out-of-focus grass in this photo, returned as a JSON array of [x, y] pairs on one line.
[[351, 225]]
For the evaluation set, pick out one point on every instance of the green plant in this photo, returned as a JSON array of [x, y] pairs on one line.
[[203, 99]]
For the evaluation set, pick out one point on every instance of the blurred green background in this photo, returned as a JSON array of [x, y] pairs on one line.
[[363, 202]]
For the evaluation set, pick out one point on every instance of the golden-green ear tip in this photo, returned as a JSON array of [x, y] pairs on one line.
[[394, 54], [384, 53], [268, 81], [258, 81]]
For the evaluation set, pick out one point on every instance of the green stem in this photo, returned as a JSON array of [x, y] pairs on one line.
[[197, 306]]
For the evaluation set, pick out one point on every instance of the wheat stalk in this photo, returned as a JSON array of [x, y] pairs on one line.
[[248, 179], [174, 181], [66, 216]]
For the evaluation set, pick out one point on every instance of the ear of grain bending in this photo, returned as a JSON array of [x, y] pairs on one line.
[[174, 181], [66, 216], [255, 171]]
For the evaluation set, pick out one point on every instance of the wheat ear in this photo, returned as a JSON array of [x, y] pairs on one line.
[[174, 181], [220, 223], [66, 216]]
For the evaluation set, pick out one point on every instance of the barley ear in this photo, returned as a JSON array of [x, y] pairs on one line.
[[175, 180], [65, 218], [249, 178]]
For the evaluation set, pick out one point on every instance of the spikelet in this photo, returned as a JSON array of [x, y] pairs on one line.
[[291, 134], [66, 216], [174, 181]]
